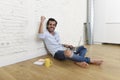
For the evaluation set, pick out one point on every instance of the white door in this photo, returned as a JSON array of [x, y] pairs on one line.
[[107, 21]]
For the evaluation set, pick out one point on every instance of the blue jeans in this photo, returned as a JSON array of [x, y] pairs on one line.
[[78, 56]]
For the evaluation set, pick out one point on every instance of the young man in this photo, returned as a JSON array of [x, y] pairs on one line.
[[52, 41]]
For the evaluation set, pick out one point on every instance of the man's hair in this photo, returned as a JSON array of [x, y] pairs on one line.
[[51, 19]]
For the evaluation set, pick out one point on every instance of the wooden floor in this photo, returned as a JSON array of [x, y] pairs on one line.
[[67, 70]]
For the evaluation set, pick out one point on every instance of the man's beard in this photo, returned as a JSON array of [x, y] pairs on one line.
[[49, 29]]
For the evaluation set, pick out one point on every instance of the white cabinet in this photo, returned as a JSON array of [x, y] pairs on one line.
[[107, 21]]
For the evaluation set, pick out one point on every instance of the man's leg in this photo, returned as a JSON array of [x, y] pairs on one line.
[[70, 55], [81, 51], [78, 58], [59, 55]]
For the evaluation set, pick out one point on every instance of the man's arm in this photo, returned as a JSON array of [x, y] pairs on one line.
[[68, 46], [41, 24]]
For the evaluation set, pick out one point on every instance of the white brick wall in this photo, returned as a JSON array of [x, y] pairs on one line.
[[19, 23]]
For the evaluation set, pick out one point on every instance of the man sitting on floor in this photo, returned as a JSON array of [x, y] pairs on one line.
[[52, 41]]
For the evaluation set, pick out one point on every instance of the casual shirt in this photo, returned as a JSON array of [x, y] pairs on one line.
[[52, 42]]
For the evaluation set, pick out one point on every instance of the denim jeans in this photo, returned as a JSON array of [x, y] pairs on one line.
[[59, 55], [78, 56]]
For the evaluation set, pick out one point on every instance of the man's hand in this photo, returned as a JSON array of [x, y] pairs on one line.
[[41, 24], [68, 46], [43, 18], [71, 46]]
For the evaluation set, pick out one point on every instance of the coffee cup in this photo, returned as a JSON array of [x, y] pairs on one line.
[[48, 62]]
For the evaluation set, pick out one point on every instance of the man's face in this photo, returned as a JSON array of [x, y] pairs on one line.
[[51, 26]]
